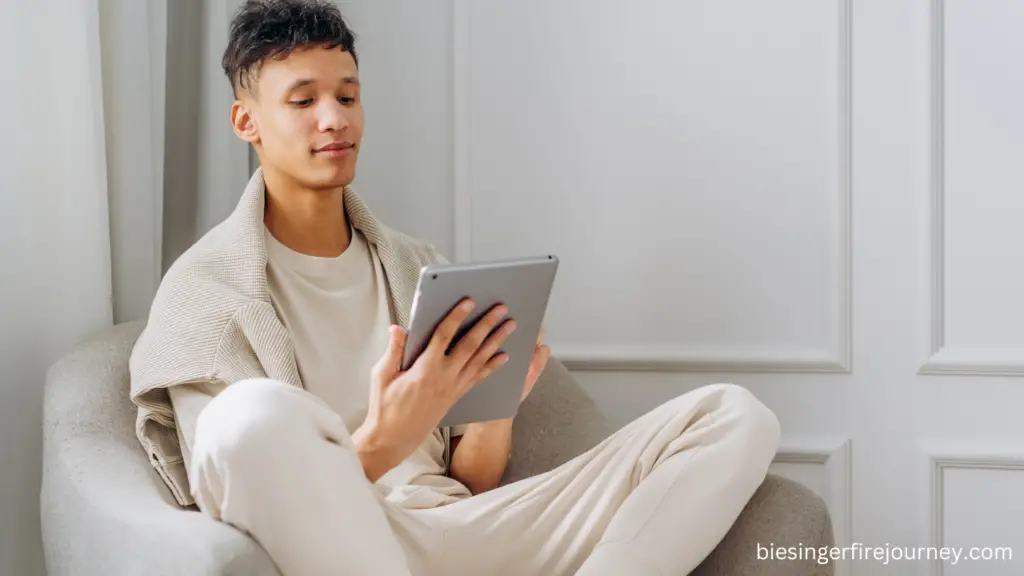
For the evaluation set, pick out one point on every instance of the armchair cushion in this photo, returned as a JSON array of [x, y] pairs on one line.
[[105, 511]]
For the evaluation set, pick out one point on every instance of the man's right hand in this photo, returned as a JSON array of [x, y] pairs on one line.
[[406, 406]]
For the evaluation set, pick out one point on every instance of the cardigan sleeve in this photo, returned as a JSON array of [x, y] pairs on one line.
[[188, 400]]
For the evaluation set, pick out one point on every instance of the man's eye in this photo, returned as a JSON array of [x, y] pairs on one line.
[[346, 100], [302, 102]]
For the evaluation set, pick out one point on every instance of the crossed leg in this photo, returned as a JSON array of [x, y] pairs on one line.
[[654, 498]]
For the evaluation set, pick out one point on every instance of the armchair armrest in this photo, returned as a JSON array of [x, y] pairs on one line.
[[103, 507]]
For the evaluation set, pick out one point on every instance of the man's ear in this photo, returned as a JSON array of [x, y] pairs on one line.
[[242, 121]]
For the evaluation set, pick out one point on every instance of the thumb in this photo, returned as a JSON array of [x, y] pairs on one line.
[[390, 363]]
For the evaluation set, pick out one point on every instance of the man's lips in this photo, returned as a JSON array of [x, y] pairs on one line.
[[335, 149]]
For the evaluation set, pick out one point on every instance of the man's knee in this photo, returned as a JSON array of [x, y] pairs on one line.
[[246, 421], [738, 411], [755, 429], [754, 415]]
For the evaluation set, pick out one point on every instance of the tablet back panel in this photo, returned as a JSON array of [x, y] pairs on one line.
[[523, 285]]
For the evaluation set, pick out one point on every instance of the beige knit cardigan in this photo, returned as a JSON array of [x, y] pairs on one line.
[[212, 320]]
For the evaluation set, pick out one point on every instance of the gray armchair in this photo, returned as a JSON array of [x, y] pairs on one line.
[[105, 511]]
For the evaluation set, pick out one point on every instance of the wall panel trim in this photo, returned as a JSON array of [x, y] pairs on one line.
[[939, 358], [725, 359], [946, 461]]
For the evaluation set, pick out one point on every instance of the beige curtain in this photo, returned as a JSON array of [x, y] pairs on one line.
[[174, 166], [117, 153]]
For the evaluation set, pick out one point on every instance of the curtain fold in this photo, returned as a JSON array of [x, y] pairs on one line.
[[133, 37], [54, 236], [175, 167], [117, 155]]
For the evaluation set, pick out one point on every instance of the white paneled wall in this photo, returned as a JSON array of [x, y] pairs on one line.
[[723, 141], [977, 319], [976, 503], [817, 199]]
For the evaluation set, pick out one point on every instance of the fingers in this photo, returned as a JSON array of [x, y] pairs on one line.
[[469, 345], [448, 328], [486, 351], [538, 363], [484, 372], [391, 362]]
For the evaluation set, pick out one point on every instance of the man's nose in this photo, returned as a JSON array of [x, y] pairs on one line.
[[332, 116]]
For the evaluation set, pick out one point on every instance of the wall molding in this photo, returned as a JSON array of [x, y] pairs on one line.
[[462, 80], [835, 456], [945, 461], [940, 359], [680, 359], [974, 362], [665, 358]]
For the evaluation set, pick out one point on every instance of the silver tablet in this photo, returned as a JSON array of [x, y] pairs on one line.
[[523, 285]]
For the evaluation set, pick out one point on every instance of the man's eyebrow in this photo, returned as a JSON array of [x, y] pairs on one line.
[[299, 84], [307, 81]]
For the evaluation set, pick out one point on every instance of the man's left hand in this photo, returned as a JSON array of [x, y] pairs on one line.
[[541, 353]]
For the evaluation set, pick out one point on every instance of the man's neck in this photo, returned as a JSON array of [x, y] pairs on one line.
[[310, 222]]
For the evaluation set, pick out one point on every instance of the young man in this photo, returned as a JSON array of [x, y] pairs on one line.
[[270, 394]]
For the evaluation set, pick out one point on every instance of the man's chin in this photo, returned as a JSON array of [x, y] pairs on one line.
[[315, 176], [327, 179]]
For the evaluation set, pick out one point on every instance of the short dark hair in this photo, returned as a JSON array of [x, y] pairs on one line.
[[263, 29]]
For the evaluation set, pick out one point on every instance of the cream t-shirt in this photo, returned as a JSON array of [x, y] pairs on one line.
[[337, 313]]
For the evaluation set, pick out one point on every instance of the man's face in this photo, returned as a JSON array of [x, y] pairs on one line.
[[305, 117]]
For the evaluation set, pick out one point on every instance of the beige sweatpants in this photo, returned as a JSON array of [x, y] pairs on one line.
[[654, 498]]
